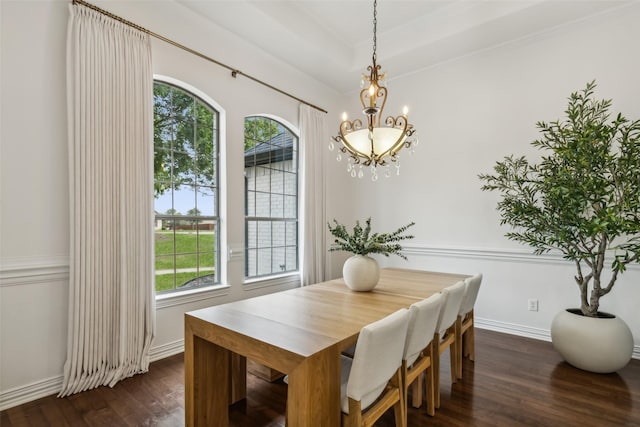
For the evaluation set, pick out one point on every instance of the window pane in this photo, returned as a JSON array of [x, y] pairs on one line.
[[205, 201], [163, 203], [252, 259], [264, 234], [292, 258], [271, 182], [252, 234], [263, 178], [262, 204], [291, 233], [278, 264], [185, 147], [278, 229], [264, 261], [277, 182], [290, 183], [277, 206], [290, 206], [250, 181], [251, 203]]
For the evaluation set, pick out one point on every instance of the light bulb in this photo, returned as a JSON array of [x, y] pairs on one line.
[[344, 116], [405, 111]]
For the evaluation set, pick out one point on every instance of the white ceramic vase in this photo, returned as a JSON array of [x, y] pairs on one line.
[[595, 344], [361, 273]]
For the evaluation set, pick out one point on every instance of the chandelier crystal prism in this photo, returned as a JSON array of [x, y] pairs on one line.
[[379, 142]]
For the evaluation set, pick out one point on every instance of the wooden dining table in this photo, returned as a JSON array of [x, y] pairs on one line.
[[300, 332]]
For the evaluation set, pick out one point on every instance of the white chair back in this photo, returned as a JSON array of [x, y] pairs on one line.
[[423, 319], [377, 357], [452, 296], [472, 285]]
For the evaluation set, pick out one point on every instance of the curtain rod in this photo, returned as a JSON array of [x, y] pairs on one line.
[[234, 72]]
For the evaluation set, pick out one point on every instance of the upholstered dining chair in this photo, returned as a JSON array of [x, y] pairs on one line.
[[418, 351], [445, 336], [371, 382], [465, 335]]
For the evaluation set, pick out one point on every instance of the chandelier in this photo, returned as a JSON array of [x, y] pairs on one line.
[[379, 143]]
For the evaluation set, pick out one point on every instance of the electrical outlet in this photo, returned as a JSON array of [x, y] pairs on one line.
[[533, 305]]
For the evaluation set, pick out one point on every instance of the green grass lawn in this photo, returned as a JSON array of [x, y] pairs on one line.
[[193, 250], [164, 282]]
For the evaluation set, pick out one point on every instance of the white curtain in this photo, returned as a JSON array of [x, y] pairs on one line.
[[110, 126], [313, 145]]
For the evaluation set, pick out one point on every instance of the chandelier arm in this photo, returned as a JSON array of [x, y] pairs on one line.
[[363, 97], [346, 127], [382, 93], [399, 122]]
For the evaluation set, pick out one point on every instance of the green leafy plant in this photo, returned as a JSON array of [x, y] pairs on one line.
[[362, 242], [582, 198]]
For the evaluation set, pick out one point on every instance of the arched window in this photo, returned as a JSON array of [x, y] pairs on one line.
[[271, 197], [186, 135]]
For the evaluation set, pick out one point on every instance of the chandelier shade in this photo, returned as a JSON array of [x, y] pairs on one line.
[[379, 142]]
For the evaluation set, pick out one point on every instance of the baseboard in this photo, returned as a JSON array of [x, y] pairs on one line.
[[513, 329], [527, 331], [166, 350], [50, 386], [27, 393]]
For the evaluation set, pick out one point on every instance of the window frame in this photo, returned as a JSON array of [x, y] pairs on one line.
[[180, 296], [260, 280]]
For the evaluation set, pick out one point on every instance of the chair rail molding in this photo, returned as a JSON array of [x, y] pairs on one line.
[[32, 270], [491, 254]]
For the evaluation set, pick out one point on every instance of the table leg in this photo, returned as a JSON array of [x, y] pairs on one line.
[[313, 395], [238, 384], [207, 382]]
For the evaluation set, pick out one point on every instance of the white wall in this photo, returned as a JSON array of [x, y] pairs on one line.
[[473, 111], [34, 173]]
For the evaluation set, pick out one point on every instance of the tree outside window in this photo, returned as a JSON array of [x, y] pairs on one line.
[[186, 190]]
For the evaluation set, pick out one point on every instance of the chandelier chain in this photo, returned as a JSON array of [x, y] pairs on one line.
[[375, 25]]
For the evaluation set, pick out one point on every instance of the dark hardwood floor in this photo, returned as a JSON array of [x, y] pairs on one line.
[[514, 382]]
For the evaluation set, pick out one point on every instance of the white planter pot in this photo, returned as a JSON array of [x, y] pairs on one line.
[[595, 344], [361, 273]]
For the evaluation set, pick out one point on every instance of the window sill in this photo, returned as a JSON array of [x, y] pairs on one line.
[[264, 282], [191, 295]]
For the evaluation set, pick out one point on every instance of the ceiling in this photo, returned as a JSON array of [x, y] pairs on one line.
[[332, 40]]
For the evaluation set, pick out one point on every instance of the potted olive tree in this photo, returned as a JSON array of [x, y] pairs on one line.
[[581, 199], [361, 272]]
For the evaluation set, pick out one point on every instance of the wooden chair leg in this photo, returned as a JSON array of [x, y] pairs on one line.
[[399, 412], [471, 339], [430, 391], [354, 417], [458, 353], [453, 353], [436, 371], [416, 392]]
